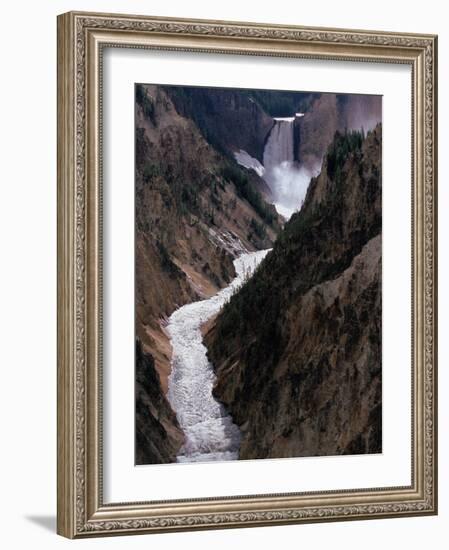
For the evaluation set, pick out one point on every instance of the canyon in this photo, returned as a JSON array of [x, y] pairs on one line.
[[297, 352], [223, 175]]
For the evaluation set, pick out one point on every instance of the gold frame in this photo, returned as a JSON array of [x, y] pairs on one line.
[[81, 37]]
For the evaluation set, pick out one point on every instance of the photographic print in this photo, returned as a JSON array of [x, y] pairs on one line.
[[246, 274], [258, 250]]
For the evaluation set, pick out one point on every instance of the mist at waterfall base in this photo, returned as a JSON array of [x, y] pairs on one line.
[[288, 180]]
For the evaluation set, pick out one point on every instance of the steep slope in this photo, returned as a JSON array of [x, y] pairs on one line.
[[229, 119], [196, 210], [297, 351], [327, 114], [158, 436], [237, 119]]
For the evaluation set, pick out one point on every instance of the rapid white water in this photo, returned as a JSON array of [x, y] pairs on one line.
[[279, 146], [287, 180], [209, 429]]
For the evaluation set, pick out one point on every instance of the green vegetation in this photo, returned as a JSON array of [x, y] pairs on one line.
[[150, 171], [316, 245], [166, 263], [341, 147], [232, 172], [145, 102], [258, 229], [189, 199], [282, 103], [231, 119]]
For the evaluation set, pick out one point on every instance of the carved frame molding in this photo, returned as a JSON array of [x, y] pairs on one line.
[[81, 39]]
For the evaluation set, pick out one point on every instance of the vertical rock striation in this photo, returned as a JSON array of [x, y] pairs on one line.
[[158, 435], [196, 209], [327, 114], [297, 351]]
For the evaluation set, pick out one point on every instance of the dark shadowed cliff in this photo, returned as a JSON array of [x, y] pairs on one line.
[[228, 119], [196, 210], [327, 114], [158, 435], [233, 119], [297, 351]]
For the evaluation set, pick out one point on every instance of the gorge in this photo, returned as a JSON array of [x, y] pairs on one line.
[[209, 430], [287, 179], [297, 351], [221, 177]]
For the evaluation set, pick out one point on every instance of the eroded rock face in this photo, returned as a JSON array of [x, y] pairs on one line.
[[158, 435], [229, 119], [327, 396], [329, 113], [297, 351], [191, 215], [196, 209]]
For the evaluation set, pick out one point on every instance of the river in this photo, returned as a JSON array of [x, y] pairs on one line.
[[210, 431]]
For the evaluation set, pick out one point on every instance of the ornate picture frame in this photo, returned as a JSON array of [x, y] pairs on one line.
[[82, 38]]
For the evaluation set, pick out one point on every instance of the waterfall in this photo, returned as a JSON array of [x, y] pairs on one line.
[[279, 146], [287, 179]]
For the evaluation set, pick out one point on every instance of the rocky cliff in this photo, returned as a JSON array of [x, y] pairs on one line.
[[228, 119], [158, 435], [235, 119], [196, 210], [297, 351], [328, 113]]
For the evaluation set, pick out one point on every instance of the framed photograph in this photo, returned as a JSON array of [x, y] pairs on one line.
[[246, 274]]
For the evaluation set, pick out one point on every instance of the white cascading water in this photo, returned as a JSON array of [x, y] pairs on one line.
[[209, 429], [279, 146], [287, 180]]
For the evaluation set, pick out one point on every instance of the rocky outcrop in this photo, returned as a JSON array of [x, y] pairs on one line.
[[297, 351], [327, 114], [229, 119], [158, 435], [237, 119], [196, 210]]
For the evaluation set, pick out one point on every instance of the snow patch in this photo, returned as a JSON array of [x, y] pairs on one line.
[[247, 161]]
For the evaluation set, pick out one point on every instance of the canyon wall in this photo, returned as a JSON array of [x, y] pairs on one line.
[[196, 210], [297, 351], [327, 114], [158, 435]]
